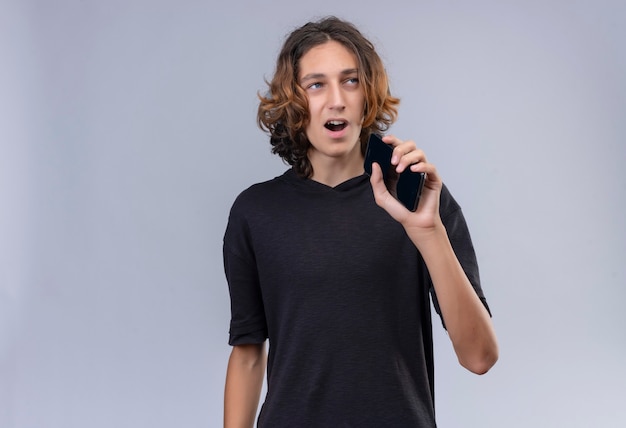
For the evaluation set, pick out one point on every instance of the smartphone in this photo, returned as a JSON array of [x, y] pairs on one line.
[[407, 186]]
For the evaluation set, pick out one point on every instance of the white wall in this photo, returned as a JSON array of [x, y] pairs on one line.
[[127, 128]]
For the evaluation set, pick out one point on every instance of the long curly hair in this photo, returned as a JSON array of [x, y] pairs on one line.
[[284, 111]]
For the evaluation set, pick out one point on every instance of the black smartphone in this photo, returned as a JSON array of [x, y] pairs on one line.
[[406, 186]]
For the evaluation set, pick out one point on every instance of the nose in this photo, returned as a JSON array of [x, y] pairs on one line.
[[336, 100]]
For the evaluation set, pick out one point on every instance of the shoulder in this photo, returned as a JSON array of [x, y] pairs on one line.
[[248, 207], [447, 204], [452, 216], [260, 193]]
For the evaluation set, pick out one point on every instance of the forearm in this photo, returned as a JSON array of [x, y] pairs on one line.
[[244, 379], [467, 320]]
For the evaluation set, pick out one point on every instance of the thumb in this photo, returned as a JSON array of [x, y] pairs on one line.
[[383, 198]]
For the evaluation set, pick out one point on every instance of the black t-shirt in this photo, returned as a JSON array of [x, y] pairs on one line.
[[343, 296]]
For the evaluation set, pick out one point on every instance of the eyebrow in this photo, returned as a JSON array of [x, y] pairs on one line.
[[312, 76]]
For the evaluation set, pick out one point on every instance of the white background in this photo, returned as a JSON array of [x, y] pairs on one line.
[[127, 128]]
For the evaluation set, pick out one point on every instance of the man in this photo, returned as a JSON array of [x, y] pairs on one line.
[[326, 264]]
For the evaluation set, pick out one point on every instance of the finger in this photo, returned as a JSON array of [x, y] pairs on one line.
[[376, 179], [433, 180], [392, 139], [400, 147], [383, 198], [410, 156], [406, 154]]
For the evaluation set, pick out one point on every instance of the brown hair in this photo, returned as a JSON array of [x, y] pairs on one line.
[[284, 111]]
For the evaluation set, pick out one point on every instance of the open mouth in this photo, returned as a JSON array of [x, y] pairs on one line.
[[335, 125]]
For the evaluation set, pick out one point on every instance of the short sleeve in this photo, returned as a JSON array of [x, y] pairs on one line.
[[248, 324]]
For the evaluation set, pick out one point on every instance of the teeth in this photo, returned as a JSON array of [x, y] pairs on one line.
[[335, 122]]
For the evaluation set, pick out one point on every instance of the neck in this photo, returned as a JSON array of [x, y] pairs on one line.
[[334, 171]]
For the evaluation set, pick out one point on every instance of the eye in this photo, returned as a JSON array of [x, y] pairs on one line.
[[315, 85], [352, 81]]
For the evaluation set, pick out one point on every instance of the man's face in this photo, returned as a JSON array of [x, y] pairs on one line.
[[329, 75]]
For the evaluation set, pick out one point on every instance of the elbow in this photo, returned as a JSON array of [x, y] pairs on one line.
[[481, 363], [480, 367]]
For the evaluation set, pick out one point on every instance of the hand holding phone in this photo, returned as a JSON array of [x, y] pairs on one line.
[[407, 186]]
